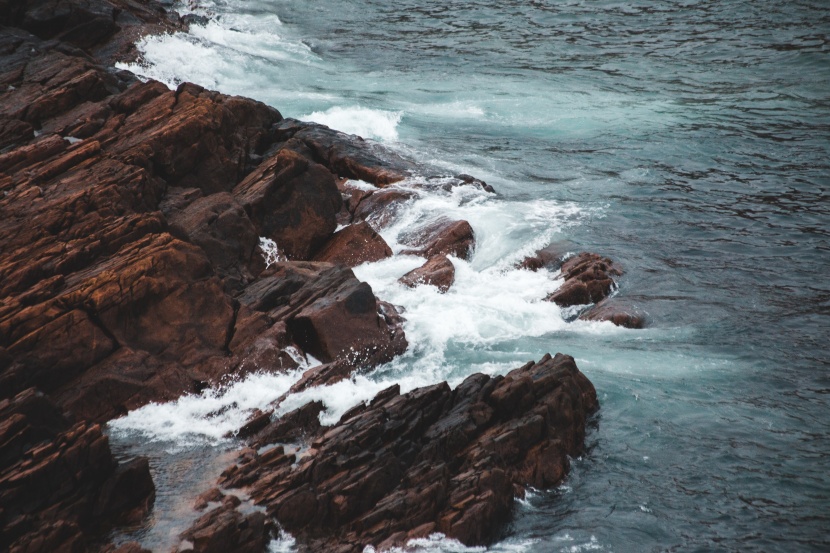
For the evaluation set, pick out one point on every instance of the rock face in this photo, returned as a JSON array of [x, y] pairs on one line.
[[431, 460], [58, 479], [438, 271], [588, 279]]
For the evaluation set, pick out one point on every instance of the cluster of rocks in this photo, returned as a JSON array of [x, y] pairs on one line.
[[131, 271]]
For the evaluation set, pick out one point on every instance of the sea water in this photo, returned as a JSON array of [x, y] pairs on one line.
[[689, 140]]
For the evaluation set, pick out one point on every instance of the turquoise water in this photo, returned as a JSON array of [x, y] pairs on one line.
[[688, 140]]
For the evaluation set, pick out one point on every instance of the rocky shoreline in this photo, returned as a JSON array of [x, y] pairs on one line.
[[132, 270]]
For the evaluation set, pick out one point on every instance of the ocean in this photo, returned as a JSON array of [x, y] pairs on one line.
[[688, 140]]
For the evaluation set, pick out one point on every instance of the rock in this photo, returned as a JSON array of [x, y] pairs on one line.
[[550, 257], [329, 313], [354, 245], [438, 271], [226, 529], [59, 482], [292, 426], [345, 155], [431, 460], [441, 237], [292, 201], [588, 279], [380, 208], [616, 312], [218, 224]]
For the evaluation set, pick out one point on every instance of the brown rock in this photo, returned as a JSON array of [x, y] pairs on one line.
[[345, 155], [354, 245], [292, 201], [380, 208], [617, 312], [432, 460], [550, 257], [441, 237], [588, 279], [58, 481], [226, 529], [438, 271]]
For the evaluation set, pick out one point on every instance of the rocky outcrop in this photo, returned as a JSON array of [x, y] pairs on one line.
[[588, 279], [59, 482], [380, 208], [620, 313], [431, 460], [438, 271]]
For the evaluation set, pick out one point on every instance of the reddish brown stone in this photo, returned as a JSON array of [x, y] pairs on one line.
[[356, 244], [588, 279], [616, 312], [438, 271], [382, 207], [432, 460], [441, 237]]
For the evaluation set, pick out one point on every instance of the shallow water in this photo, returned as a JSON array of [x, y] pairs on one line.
[[689, 140]]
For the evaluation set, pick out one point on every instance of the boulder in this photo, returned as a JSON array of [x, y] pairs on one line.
[[443, 236], [381, 208], [550, 257], [438, 271], [431, 460], [293, 201], [227, 529], [354, 245], [588, 279]]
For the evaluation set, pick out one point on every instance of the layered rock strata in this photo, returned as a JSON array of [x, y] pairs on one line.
[[431, 460]]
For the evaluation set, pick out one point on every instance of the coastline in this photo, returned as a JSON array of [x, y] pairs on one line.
[[132, 274]]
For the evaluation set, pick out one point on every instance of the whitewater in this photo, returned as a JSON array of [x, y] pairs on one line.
[[688, 141]]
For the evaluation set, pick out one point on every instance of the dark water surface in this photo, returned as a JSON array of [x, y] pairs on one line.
[[693, 139]]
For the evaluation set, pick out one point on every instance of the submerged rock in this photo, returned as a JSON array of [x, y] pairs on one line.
[[618, 312], [431, 460]]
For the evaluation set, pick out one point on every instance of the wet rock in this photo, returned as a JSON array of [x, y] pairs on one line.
[[618, 312], [588, 279], [438, 271], [431, 460], [381, 208], [292, 201], [292, 426], [58, 480], [227, 529], [329, 313], [443, 236], [353, 245], [550, 257], [345, 155]]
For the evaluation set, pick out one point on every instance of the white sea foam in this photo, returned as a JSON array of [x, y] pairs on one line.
[[206, 418], [368, 123], [270, 252]]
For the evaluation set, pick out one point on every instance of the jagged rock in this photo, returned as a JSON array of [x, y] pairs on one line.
[[218, 224], [58, 480], [380, 208], [227, 529], [353, 245], [329, 313], [345, 155], [441, 237], [292, 201], [550, 257], [588, 279], [431, 460], [619, 313], [438, 271]]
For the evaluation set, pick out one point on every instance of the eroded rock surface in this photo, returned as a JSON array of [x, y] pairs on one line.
[[441, 237], [589, 278], [431, 460], [59, 481], [438, 271]]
